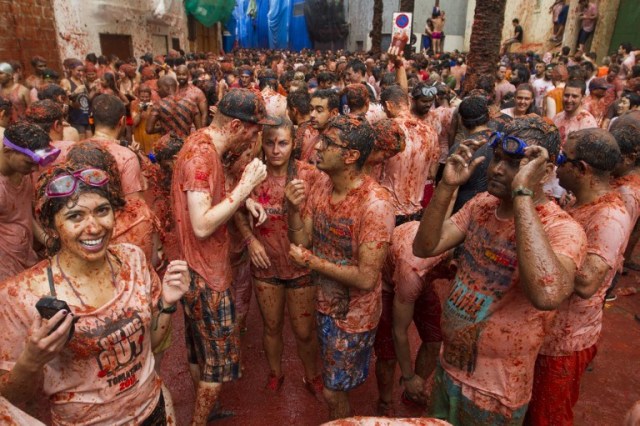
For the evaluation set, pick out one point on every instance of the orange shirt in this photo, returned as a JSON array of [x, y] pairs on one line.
[[199, 169], [491, 331]]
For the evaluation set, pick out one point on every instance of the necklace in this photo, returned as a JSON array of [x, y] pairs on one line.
[[75, 292]]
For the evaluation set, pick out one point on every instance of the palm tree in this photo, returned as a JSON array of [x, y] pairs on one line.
[[407, 5], [486, 34], [376, 26]]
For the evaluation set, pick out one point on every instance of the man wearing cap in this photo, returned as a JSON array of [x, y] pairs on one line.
[[172, 114], [406, 174], [15, 92], [202, 207], [601, 97], [342, 234], [24, 147], [574, 117]]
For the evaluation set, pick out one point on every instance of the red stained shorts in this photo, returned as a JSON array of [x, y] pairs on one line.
[[556, 387], [426, 317]]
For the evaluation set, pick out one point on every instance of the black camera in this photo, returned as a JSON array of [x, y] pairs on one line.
[[48, 306]]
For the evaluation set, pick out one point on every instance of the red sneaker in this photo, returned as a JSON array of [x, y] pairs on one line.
[[313, 386], [274, 383]]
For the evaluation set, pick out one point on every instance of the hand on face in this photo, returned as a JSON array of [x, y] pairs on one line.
[[254, 173], [533, 168]]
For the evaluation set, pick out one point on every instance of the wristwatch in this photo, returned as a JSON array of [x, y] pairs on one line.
[[521, 191], [169, 310]]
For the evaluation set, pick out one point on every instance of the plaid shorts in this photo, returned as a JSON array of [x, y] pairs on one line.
[[210, 331], [345, 356]]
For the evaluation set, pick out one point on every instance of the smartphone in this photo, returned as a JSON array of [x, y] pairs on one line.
[[49, 306]]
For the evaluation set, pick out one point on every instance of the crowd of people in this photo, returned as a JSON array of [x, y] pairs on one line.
[[341, 185]]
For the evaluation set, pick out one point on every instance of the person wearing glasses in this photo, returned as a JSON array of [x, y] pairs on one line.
[[24, 148], [519, 256], [584, 168], [82, 323], [342, 235]]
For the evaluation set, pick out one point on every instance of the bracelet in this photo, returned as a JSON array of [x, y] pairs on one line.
[[521, 191], [296, 230], [166, 309]]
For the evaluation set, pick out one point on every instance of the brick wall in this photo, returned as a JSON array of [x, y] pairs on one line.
[[27, 28]]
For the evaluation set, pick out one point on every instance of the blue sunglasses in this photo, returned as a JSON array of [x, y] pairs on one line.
[[509, 144]]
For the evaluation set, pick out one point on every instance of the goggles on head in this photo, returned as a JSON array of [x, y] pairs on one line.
[[66, 184], [42, 157], [426, 91], [509, 144]]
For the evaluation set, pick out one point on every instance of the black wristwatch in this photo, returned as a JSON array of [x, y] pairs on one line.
[[169, 310]]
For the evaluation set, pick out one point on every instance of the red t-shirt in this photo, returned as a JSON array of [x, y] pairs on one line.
[[491, 331], [578, 323], [566, 125], [199, 169], [405, 174], [105, 374], [629, 188], [127, 163], [273, 233], [339, 229]]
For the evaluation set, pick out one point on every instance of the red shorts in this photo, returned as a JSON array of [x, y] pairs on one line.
[[556, 387], [426, 317]]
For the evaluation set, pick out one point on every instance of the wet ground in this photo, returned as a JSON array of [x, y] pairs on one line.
[[608, 390]]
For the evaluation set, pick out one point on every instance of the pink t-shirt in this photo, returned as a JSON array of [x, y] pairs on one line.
[[578, 323], [128, 165], [405, 272], [566, 125], [405, 174], [273, 233], [339, 229], [16, 234], [105, 374], [199, 169], [629, 188], [491, 331]]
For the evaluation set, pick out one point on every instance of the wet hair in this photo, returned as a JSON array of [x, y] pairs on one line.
[[395, 94], [44, 114], [107, 110], [356, 132], [91, 57], [357, 66], [167, 147], [27, 135], [268, 78], [588, 66], [389, 136], [5, 105], [596, 147], [535, 131], [300, 100], [626, 132], [522, 74], [627, 47], [357, 96], [580, 84], [333, 101], [51, 91], [474, 111], [81, 156], [487, 82]]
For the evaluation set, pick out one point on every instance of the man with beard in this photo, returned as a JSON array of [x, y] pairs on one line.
[[574, 117], [324, 106], [191, 92], [202, 207], [517, 264], [541, 83], [342, 235]]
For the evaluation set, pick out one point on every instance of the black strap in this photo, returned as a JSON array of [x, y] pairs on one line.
[[52, 289]]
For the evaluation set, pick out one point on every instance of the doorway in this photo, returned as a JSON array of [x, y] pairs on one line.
[[116, 44]]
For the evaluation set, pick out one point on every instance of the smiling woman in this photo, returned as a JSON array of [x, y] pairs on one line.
[[107, 311]]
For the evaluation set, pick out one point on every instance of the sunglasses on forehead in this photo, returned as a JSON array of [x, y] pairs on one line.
[[42, 157], [66, 184], [509, 144]]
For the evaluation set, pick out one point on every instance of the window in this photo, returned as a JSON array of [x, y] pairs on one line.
[[116, 44]]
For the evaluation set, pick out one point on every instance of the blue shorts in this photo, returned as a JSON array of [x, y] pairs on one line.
[[345, 356]]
